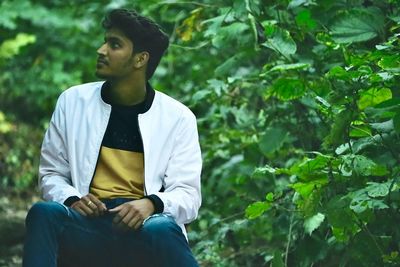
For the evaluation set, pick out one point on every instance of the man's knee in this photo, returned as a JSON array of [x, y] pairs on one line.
[[43, 211], [161, 225]]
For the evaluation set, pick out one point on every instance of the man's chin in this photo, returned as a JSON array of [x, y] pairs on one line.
[[101, 75]]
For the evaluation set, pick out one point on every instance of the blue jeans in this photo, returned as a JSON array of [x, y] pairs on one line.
[[58, 235]]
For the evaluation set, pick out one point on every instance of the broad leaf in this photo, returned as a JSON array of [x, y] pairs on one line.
[[357, 25], [272, 140], [288, 89], [390, 63], [305, 189], [312, 223], [256, 209], [373, 97], [280, 41]]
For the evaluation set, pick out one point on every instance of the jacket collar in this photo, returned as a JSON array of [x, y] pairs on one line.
[[143, 107]]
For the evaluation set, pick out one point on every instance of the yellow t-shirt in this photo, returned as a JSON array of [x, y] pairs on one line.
[[120, 167], [119, 173]]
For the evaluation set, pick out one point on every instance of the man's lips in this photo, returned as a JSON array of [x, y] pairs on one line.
[[101, 61]]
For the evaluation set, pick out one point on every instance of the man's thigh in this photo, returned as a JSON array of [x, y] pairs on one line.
[[160, 242], [86, 241]]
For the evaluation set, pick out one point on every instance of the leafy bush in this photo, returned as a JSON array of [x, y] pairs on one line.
[[298, 108]]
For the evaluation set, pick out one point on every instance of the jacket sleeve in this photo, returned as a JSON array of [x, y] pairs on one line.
[[182, 194], [54, 172]]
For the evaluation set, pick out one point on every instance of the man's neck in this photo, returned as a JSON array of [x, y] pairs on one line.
[[127, 92]]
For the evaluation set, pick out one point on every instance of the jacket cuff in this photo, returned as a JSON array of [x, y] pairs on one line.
[[71, 200], [157, 202]]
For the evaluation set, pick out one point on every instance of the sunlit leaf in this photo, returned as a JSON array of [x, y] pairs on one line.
[[293, 66], [256, 209], [373, 97], [390, 63], [10, 48], [306, 188], [312, 223]]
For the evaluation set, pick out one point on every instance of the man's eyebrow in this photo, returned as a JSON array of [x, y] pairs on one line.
[[112, 38]]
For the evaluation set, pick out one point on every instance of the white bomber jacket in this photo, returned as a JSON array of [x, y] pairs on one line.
[[172, 157]]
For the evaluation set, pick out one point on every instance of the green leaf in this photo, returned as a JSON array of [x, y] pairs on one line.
[[304, 20], [338, 72], [369, 197], [338, 213], [199, 95], [270, 197], [288, 89], [264, 170], [230, 64], [256, 209], [374, 96], [272, 140], [383, 127], [340, 234], [396, 122], [217, 86], [10, 48], [293, 66], [277, 261], [390, 63], [228, 34], [357, 25], [308, 168], [305, 189], [338, 134], [297, 3], [360, 131], [312, 223], [280, 41], [361, 165], [378, 189], [361, 204]]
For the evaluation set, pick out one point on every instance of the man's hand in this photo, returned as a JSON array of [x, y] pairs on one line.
[[89, 205], [131, 215]]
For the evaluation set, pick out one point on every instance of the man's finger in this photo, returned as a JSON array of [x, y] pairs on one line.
[[127, 218], [86, 209], [120, 215], [80, 211], [100, 205], [138, 224], [116, 209]]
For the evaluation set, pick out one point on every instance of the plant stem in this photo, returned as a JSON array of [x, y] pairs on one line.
[[289, 239]]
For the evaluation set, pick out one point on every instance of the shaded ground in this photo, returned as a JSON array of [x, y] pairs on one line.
[[13, 209]]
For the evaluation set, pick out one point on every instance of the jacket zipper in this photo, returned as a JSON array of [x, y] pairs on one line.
[[144, 158]]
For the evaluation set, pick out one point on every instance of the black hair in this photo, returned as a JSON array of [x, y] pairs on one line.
[[145, 34]]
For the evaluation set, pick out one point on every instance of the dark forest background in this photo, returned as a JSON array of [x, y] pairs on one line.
[[298, 108]]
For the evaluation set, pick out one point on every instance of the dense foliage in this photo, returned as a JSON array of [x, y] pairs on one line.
[[298, 107]]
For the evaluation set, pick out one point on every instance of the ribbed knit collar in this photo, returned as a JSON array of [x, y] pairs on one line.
[[141, 107]]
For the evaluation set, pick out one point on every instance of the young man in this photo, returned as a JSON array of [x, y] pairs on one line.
[[120, 163]]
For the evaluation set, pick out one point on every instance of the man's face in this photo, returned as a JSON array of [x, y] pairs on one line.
[[115, 57]]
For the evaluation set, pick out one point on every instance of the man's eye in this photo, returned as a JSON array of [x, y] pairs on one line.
[[114, 45]]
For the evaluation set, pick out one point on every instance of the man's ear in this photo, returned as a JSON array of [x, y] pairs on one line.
[[141, 59]]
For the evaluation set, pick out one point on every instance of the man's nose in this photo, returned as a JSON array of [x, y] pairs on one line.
[[102, 50]]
